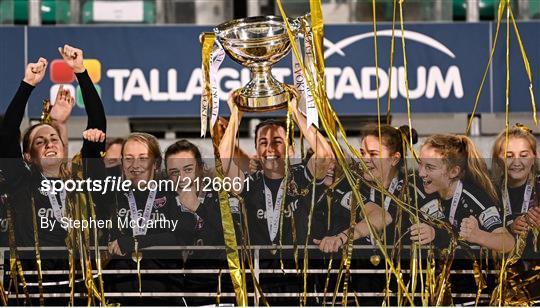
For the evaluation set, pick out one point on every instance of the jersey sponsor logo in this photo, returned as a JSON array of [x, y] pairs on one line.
[[123, 212], [287, 213]]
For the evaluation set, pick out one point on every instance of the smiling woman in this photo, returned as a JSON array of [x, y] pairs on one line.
[[451, 167], [44, 151], [519, 193]]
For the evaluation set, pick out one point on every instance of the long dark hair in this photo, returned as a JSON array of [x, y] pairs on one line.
[[27, 143], [392, 138]]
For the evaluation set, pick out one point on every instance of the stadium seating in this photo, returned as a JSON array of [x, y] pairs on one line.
[[52, 11], [147, 15], [534, 9], [487, 9]]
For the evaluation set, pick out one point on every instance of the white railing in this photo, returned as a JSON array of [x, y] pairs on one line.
[[257, 272]]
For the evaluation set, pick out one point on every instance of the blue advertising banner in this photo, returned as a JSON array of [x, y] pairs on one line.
[[11, 63], [519, 82], [155, 71]]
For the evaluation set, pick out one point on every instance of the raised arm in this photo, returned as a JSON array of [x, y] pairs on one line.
[[322, 151], [10, 129], [60, 112], [74, 58], [227, 144]]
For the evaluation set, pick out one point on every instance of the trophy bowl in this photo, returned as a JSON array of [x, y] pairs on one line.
[[257, 43]]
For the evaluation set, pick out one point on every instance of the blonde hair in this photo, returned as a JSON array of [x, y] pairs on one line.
[[498, 164], [151, 143], [459, 150]]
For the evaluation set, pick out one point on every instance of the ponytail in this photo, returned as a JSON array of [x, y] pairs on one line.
[[476, 168], [459, 150], [392, 138]]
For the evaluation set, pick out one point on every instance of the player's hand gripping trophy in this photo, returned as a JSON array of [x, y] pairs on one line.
[[257, 43]]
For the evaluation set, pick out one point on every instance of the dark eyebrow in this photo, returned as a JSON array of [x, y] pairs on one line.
[[186, 166]]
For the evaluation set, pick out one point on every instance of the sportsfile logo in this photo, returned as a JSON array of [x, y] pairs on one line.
[[62, 75]]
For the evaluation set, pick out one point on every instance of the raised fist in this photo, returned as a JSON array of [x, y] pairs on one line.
[[73, 57], [35, 72]]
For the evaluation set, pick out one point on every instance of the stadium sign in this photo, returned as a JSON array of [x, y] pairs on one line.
[[155, 71]]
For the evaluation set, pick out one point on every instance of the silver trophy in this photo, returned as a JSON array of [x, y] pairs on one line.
[[258, 43]]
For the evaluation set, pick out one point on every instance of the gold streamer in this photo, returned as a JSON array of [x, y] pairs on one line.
[[525, 63], [46, 112], [321, 100], [97, 252], [38, 255], [477, 99], [15, 263], [502, 274], [306, 251], [3, 294], [392, 41], [510, 18], [218, 292], [286, 179], [237, 275], [317, 27], [246, 249]]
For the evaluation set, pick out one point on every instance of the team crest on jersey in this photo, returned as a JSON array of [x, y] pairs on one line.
[[160, 202], [432, 210], [234, 205], [346, 200], [200, 223], [293, 189]]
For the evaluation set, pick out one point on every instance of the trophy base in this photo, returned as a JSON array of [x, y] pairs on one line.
[[264, 104]]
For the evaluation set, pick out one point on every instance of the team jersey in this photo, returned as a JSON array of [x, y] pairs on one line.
[[342, 197], [208, 228], [520, 199], [263, 198], [164, 224], [470, 200]]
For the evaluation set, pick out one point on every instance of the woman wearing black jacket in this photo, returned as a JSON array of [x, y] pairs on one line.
[[37, 213], [44, 150], [159, 224]]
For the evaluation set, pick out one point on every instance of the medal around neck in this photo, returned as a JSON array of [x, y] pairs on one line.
[[258, 43]]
